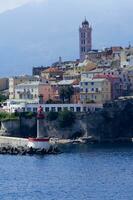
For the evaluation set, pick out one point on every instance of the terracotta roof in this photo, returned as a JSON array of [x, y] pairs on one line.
[[76, 82], [106, 76], [52, 69]]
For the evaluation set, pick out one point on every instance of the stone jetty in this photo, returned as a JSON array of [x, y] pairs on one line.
[[27, 151], [19, 146]]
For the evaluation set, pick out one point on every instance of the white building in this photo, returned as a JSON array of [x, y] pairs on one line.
[[28, 90], [32, 106], [13, 81]]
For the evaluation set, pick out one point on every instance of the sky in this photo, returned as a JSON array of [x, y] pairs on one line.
[[37, 32]]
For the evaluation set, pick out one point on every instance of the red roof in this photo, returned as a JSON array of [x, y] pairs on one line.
[[107, 76], [52, 70], [76, 82]]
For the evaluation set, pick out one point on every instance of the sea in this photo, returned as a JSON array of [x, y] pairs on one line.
[[80, 172]]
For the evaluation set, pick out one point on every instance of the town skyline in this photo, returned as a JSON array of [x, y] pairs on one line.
[[33, 44]]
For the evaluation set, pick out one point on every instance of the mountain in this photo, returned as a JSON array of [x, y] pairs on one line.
[[37, 34]]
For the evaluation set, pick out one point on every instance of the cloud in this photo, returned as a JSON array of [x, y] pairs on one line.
[[6, 5]]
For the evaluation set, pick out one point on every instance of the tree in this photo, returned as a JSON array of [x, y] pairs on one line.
[[3, 98], [66, 118], [51, 116], [69, 93], [66, 93], [62, 94]]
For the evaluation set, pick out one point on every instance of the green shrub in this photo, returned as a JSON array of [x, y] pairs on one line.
[[51, 116], [25, 114], [66, 118], [4, 116]]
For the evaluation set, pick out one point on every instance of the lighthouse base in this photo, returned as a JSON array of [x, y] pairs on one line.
[[36, 143]]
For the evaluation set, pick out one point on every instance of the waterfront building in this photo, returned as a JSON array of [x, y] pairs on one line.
[[108, 57], [116, 90], [49, 91], [85, 39], [92, 73], [36, 71], [32, 106], [71, 75], [85, 66], [29, 90], [13, 81], [76, 89], [52, 74], [95, 90], [127, 57], [4, 84]]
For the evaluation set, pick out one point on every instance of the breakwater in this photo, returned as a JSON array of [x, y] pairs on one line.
[[19, 146]]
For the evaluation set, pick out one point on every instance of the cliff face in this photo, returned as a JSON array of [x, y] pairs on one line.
[[19, 128], [115, 120], [28, 128]]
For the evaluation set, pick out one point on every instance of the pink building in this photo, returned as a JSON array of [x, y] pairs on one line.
[[49, 92]]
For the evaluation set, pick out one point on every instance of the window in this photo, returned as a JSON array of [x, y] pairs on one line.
[[86, 83], [84, 109], [59, 109], [53, 109], [92, 89], [65, 108], [86, 90], [23, 109], [78, 109], [92, 83], [29, 109], [34, 109], [47, 109], [72, 109]]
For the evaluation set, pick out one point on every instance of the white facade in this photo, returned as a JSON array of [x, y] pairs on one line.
[[13, 81], [13, 106], [27, 90]]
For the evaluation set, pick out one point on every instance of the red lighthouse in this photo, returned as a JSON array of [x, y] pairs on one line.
[[41, 141]]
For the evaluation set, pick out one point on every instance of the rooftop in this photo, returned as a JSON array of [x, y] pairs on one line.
[[52, 70], [93, 80], [31, 83], [66, 82]]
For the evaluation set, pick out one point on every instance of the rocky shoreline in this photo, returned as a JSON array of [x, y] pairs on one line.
[[9, 150]]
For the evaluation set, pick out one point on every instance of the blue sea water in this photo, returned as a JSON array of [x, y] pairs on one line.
[[82, 172]]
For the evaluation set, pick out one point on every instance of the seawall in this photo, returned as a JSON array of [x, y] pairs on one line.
[[114, 121], [13, 142]]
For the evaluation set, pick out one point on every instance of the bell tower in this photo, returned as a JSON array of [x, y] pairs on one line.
[[85, 39]]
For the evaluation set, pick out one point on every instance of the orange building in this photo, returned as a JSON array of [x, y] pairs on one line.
[[52, 74]]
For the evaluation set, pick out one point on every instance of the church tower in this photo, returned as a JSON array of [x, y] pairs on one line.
[[85, 39]]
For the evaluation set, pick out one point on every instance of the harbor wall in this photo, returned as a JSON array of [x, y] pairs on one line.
[[13, 142], [112, 122]]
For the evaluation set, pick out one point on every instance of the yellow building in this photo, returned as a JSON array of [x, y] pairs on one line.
[[52, 74], [95, 90], [85, 67]]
